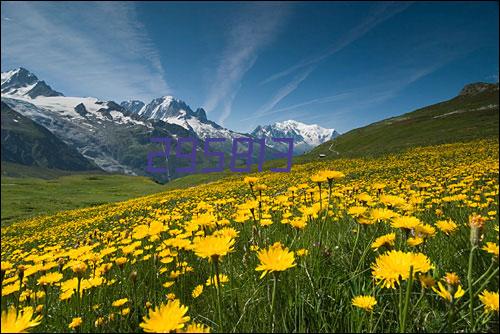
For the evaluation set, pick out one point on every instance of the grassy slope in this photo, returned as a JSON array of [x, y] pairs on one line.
[[30, 195], [431, 125], [27, 196]]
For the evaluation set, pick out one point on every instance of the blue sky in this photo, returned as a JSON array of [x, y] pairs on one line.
[[339, 65]]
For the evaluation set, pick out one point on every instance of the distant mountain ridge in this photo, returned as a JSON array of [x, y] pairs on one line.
[[305, 137], [25, 142], [115, 137], [22, 82]]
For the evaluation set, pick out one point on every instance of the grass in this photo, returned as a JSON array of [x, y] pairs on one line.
[[461, 119], [313, 296], [25, 197]]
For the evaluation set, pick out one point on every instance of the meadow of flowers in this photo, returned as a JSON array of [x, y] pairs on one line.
[[401, 243]]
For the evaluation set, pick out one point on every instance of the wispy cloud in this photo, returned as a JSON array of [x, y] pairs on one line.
[[379, 14], [316, 101], [305, 67], [249, 33], [89, 48]]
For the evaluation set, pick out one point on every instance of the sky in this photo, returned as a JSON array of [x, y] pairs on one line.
[[341, 65]]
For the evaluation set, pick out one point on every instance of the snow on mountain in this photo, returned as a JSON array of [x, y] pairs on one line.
[[175, 111], [132, 106], [21, 82], [305, 137]]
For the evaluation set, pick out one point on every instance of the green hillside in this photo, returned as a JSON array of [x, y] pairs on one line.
[[28, 194], [471, 115]]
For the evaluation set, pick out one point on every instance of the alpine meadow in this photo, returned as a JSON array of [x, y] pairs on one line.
[[384, 221]]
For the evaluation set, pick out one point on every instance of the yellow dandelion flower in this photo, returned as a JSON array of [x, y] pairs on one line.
[[364, 302], [392, 266], [76, 322], [12, 322], [414, 241], [489, 300], [447, 226], [196, 328], [275, 258], [165, 318], [447, 295], [213, 246], [213, 280], [384, 240], [451, 279], [491, 248], [79, 268], [406, 222], [50, 278], [197, 291], [119, 302], [302, 252]]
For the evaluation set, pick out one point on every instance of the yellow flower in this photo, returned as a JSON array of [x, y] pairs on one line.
[[412, 242], [364, 302], [489, 300], [50, 278], [196, 328], [250, 179], [125, 311], [4, 266], [302, 252], [491, 248], [120, 262], [275, 258], [406, 222], [425, 230], [356, 211], [318, 178], [168, 284], [451, 279], [447, 226], [119, 302], [165, 318], [379, 214], [445, 294], [392, 266], [213, 246], [18, 323], [79, 268], [75, 323], [222, 279], [387, 239], [332, 174], [197, 291]]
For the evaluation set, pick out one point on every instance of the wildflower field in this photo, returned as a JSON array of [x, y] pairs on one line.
[[400, 243]]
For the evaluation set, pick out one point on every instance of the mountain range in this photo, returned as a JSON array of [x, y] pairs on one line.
[[115, 137]]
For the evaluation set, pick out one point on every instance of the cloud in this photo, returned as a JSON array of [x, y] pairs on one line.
[[379, 14], [305, 67], [86, 48], [251, 31]]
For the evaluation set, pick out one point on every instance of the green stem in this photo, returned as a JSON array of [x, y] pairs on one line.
[[355, 244], [407, 300], [273, 298], [471, 292], [219, 311]]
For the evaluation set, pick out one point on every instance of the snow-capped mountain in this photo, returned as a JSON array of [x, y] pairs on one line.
[[174, 111], [24, 83], [305, 137], [132, 106], [114, 137], [102, 131]]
